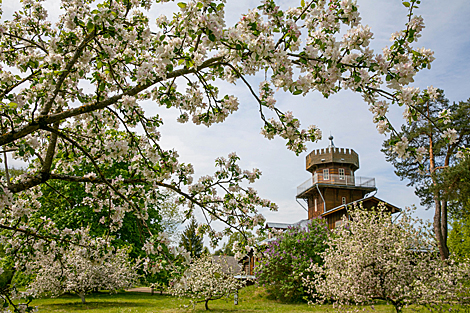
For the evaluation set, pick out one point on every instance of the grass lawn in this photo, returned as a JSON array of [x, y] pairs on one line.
[[251, 299]]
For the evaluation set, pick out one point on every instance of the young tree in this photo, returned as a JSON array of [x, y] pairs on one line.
[[191, 241], [285, 259], [371, 257], [206, 280], [80, 270], [68, 86], [437, 153]]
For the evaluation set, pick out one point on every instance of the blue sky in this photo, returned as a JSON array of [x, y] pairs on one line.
[[344, 115]]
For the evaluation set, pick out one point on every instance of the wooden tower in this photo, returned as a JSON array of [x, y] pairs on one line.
[[333, 183]]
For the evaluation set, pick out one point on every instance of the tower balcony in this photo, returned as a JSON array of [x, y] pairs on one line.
[[338, 181]]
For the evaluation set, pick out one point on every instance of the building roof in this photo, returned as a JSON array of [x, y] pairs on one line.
[[366, 199], [301, 223], [227, 263]]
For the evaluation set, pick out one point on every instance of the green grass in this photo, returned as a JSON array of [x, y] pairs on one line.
[[251, 299]]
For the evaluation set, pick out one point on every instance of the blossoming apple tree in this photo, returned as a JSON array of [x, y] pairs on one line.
[[205, 280], [374, 256], [81, 270], [67, 86]]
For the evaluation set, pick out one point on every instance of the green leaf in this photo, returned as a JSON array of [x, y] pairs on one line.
[[302, 3], [182, 5], [90, 26], [406, 4], [212, 37], [12, 105], [297, 92]]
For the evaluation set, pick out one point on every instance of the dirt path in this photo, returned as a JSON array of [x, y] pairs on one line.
[[140, 289]]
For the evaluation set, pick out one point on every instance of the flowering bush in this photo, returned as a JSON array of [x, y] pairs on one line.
[[282, 264], [371, 257], [206, 280], [81, 270]]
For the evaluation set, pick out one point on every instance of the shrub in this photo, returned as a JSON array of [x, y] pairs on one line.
[[286, 258]]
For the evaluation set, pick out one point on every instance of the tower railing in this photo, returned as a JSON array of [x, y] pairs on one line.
[[335, 179]]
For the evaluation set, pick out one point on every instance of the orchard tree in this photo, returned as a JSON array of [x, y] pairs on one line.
[[67, 86], [288, 257], [372, 257], [437, 155], [80, 270], [206, 280]]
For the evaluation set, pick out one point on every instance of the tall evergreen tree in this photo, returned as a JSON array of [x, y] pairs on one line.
[[191, 241], [427, 137]]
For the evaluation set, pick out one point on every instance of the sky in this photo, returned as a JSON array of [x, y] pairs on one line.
[[344, 115]]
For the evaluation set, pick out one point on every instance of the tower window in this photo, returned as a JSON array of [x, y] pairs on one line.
[[341, 173], [326, 174], [343, 200], [315, 204]]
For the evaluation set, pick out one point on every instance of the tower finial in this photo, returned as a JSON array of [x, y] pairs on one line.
[[331, 145]]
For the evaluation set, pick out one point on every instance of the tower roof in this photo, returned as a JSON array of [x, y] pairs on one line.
[[332, 154], [331, 145]]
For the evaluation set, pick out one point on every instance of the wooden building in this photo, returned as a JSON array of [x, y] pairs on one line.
[[334, 186], [332, 189]]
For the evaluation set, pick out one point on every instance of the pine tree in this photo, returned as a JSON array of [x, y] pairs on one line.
[[440, 155], [191, 241]]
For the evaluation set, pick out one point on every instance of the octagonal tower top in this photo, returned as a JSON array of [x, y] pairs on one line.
[[342, 156]]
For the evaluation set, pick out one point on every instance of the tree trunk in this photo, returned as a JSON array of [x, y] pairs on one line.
[[444, 221], [440, 213], [207, 307], [81, 294], [440, 228]]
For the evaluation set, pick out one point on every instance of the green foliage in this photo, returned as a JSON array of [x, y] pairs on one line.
[[286, 258], [191, 241], [459, 239], [6, 269], [63, 202]]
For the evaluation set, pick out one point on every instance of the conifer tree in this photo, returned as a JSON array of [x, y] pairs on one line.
[[436, 140], [191, 241]]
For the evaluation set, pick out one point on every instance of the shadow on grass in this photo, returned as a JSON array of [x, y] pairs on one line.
[[96, 305], [104, 302]]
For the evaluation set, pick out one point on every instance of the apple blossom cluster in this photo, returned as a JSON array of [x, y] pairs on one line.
[[372, 255], [206, 279]]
